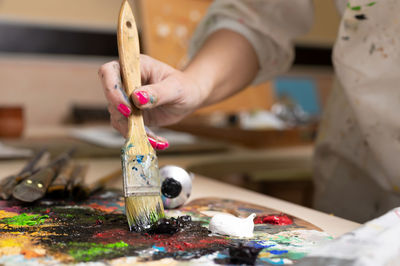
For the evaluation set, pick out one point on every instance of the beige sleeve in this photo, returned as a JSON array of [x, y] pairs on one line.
[[269, 25]]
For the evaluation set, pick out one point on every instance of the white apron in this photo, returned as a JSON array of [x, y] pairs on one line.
[[357, 156]]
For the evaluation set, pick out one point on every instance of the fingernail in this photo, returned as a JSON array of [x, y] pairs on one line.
[[142, 96], [162, 145], [158, 145], [123, 109]]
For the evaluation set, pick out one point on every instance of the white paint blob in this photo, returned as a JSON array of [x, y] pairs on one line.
[[227, 224]]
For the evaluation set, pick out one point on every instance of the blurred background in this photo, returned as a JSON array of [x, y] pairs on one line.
[[261, 139]]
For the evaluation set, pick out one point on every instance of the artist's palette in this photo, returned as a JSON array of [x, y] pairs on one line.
[[96, 230]]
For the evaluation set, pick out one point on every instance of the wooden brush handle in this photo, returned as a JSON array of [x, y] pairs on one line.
[[129, 55]]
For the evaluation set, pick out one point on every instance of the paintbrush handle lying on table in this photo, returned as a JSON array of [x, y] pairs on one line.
[[77, 182], [141, 178], [60, 183], [8, 184], [102, 182], [83, 191], [35, 187]]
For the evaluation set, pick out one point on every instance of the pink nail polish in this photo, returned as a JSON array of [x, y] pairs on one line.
[[123, 109], [158, 145], [162, 145], [142, 96], [153, 143]]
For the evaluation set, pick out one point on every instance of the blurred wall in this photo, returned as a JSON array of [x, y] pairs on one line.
[[48, 85], [101, 14]]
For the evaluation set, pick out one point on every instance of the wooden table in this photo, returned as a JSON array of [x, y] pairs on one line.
[[205, 187]]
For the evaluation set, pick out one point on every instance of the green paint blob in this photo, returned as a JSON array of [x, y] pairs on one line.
[[155, 216], [355, 8], [371, 4], [67, 215], [82, 251], [25, 219], [287, 240]]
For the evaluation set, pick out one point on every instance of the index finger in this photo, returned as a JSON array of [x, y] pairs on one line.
[[110, 76]]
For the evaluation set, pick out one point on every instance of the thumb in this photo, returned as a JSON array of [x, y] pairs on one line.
[[167, 91]]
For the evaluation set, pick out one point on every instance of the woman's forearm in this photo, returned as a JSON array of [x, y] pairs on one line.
[[225, 64]]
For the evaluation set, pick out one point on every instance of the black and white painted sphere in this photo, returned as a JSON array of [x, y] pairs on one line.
[[176, 186]]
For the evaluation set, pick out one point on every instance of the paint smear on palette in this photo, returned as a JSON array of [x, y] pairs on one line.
[[290, 246], [78, 234], [280, 219], [59, 232], [25, 219]]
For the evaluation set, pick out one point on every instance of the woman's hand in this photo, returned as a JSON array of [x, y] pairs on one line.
[[224, 65], [167, 95]]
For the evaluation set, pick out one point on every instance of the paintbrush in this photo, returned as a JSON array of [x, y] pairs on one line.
[[8, 184], [35, 187], [78, 181], [141, 179], [83, 191], [59, 186], [102, 182]]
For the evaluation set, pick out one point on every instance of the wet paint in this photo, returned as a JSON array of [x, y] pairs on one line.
[[92, 251], [172, 225], [176, 186], [361, 17], [96, 231], [171, 188], [25, 219], [273, 219], [239, 254], [230, 225], [358, 8]]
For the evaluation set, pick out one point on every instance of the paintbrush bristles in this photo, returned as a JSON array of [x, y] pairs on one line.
[[143, 211]]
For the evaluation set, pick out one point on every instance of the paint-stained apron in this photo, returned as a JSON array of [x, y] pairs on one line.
[[357, 156]]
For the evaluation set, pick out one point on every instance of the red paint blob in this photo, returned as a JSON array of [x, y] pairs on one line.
[[171, 243], [281, 219], [112, 234], [176, 243]]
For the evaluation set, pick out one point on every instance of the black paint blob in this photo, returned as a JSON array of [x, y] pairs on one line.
[[243, 255], [172, 225], [171, 188], [240, 254], [360, 17]]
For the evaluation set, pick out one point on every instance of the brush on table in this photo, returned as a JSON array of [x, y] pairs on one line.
[[8, 184], [35, 186], [59, 186], [77, 181], [141, 180], [84, 191], [101, 183]]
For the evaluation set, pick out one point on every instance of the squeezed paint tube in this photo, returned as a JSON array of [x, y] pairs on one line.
[[176, 186]]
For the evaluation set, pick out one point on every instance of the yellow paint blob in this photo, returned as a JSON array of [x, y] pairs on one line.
[[10, 242], [5, 214], [14, 244]]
